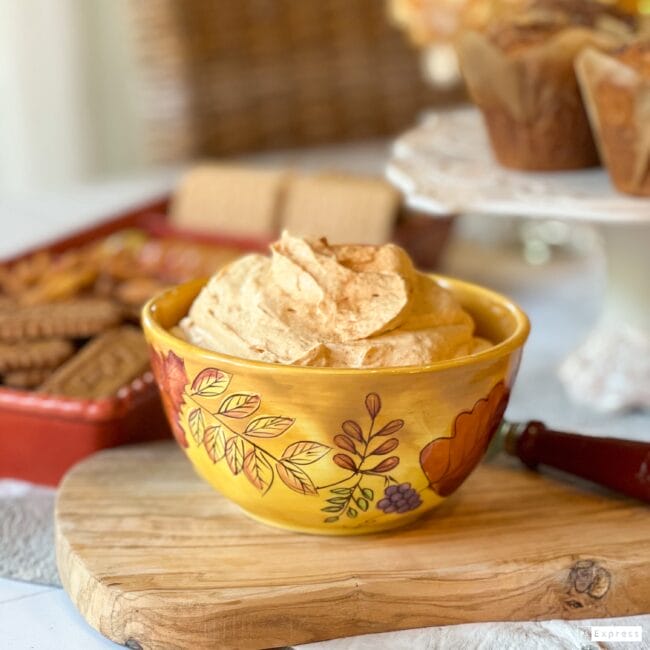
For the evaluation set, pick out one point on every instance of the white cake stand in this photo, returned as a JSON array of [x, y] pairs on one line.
[[445, 166]]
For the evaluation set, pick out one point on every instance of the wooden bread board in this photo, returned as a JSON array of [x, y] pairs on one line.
[[155, 559]]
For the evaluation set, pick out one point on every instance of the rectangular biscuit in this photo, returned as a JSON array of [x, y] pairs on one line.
[[230, 200], [72, 319], [345, 208], [101, 367], [29, 355], [26, 379]]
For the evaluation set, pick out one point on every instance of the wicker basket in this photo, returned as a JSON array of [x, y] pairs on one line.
[[228, 76]]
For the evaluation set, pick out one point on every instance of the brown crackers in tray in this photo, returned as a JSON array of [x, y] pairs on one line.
[[64, 319], [29, 355], [74, 319], [102, 366]]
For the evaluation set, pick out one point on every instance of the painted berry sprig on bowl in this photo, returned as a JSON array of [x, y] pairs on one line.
[[365, 455]]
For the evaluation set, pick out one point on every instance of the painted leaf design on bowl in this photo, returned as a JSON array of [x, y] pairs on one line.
[[229, 428], [169, 370], [210, 382], [447, 462]]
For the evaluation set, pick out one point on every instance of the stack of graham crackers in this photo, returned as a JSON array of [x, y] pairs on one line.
[[260, 203]]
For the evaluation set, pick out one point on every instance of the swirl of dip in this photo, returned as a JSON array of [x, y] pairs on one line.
[[313, 304]]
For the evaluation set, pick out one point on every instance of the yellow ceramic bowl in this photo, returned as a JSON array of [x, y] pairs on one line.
[[335, 451]]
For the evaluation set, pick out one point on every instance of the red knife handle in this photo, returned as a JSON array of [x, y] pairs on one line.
[[622, 465]]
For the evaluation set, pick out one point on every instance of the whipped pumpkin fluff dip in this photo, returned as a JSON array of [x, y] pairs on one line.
[[315, 304]]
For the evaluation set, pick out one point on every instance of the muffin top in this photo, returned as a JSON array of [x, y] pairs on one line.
[[538, 20], [587, 13], [636, 56], [517, 36]]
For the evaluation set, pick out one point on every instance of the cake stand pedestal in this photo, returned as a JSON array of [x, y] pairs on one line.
[[445, 166], [611, 369]]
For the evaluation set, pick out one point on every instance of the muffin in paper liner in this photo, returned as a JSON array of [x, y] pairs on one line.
[[521, 75], [616, 90]]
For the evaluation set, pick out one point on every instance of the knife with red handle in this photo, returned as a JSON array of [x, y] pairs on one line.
[[621, 465]]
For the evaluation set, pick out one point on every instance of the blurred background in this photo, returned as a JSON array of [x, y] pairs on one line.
[[94, 90], [90, 88]]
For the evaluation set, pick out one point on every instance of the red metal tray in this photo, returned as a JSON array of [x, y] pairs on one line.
[[42, 436]]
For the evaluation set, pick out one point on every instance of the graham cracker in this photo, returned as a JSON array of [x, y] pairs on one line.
[[345, 208], [230, 200]]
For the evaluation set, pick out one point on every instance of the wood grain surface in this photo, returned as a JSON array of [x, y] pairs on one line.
[[154, 558]]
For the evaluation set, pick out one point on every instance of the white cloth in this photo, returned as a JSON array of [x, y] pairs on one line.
[[26, 535], [541, 635]]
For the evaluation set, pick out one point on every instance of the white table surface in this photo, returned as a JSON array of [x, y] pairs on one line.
[[42, 618]]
